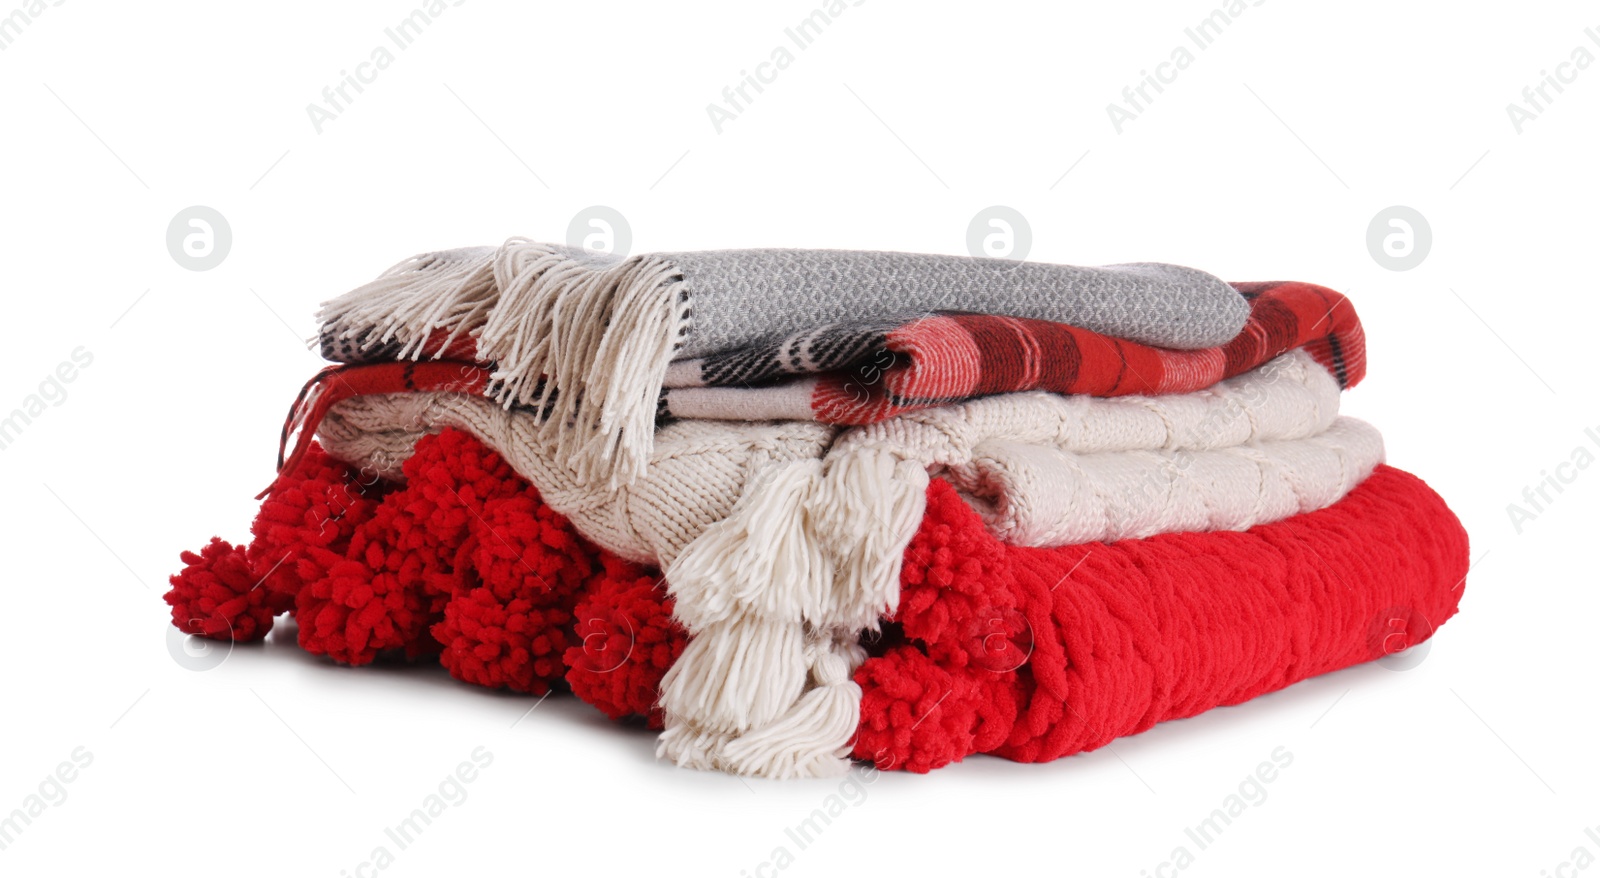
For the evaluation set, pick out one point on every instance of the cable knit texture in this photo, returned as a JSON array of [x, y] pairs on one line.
[[1041, 469]]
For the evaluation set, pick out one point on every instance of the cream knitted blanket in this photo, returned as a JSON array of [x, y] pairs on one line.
[[782, 541]]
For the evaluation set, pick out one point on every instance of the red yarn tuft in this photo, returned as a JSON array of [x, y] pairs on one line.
[[449, 479], [216, 595], [629, 640], [503, 643], [915, 715], [317, 506], [511, 632], [957, 595], [464, 552], [524, 544], [364, 605]]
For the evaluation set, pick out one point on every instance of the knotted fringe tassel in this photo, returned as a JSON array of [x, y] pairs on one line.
[[585, 342], [738, 674], [811, 738], [450, 289], [776, 596]]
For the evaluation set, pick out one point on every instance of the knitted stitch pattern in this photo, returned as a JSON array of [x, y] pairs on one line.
[[1042, 469]]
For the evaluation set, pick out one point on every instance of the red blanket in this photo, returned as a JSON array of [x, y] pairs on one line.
[[1035, 654]]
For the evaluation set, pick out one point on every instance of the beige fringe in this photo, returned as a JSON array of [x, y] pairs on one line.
[[448, 289], [587, 346], [810, 738], [776, 596]]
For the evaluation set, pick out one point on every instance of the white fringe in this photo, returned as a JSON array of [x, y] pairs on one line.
[[590, 347], [587, 344], [447, 289], [868, 509], [810, 738], [775, 596], [737, 674]]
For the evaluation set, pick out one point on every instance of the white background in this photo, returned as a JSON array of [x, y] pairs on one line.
[[1265, 159]]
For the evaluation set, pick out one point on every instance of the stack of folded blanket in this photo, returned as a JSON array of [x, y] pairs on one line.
[[797, 507]]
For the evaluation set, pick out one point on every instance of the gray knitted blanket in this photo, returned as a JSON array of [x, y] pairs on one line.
[[742, 296], [588, 338]]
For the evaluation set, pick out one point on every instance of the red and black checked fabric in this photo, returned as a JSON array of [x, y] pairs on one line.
[[335, 384], [951, 357], [866, 373]]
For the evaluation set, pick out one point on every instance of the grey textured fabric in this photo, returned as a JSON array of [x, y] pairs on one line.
[[741, 296]]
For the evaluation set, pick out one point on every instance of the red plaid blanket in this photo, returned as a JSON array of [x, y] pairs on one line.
[[864, 373], [860, 374]]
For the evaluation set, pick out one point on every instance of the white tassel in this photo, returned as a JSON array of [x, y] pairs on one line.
[[689, 747], [737, 674], [866, 510], [784, 584], [761, 557], [810, 739]]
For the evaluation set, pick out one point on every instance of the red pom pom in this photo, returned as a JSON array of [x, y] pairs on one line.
[[957, 683], [503, 643], [216, 595], [628, 641], [915, 715], [449, 478], [409, 558], [512, 631], [374, 597], [362, 606], [522, 543], [957, 593], [317, 506]]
